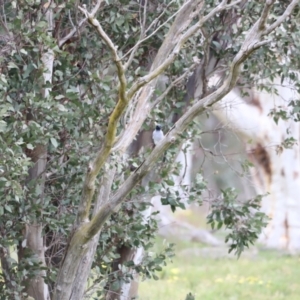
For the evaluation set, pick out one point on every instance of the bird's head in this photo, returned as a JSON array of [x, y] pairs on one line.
[[158, 127]]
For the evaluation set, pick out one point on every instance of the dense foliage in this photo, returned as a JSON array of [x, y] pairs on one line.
[[71, 124]]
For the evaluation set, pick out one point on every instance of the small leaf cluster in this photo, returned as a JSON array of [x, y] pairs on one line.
[[129, 230], [242, 218]]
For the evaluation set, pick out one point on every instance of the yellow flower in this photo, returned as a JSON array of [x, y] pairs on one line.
[[241, 280], [174, 271]]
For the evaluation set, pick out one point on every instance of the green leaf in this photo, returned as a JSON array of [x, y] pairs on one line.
[[155, 277], [54, 142], [220, 224], [169, 182], [190, 296], [23, 51], [115, 285], [8, 208], [12, 65], [61, 107], [3, 126]]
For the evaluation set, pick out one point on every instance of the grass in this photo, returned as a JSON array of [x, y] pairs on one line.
[[265, 275]]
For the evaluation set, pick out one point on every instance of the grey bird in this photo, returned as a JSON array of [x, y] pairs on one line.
[[157, 135]]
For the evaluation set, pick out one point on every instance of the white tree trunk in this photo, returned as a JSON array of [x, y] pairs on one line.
[[37, 288], [275, 173]]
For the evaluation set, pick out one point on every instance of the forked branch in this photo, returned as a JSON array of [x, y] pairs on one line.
[[95, 167], [253, 40]]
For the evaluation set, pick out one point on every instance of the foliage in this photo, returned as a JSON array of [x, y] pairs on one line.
[[72, 122], [242, 218]]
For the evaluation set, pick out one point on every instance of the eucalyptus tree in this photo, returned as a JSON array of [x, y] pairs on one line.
[[79, 81], [264, 109]]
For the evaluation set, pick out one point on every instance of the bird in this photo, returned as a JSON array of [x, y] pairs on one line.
[[157, 134]]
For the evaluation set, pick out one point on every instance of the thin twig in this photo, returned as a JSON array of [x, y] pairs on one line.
[[62, 41], [282, 18], [142, 34], [152, 34], [102, 155], [265, 14], [173, 83]]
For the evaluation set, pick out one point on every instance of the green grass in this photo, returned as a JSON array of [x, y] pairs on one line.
[[266, 275]]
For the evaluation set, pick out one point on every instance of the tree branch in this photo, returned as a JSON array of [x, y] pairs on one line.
[[95, 23], [251, 42], [172, 84], [170, 49], [283, 17], [265, 14], [142, 34], [95, 167], [142, 108], [133, 49], [62, 41], [220, 8], [182, 40]]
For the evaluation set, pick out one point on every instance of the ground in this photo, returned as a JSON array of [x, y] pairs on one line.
[[210, 275]]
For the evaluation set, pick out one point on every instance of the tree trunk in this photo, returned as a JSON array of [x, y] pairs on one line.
[[276, 169], [36, 286], [82, 275], [84, 269], [33, 239], [128, 291]]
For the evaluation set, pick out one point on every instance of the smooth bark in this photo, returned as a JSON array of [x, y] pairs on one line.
[[34, 240], [276, 170]]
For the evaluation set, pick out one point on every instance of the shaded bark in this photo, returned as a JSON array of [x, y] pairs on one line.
[[130, 290], [6, 267], [36, 286], [125, 254]]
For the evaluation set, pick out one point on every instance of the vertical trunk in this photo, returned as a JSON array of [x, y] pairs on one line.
[[36, 287], [276, 169], [33, 239], [81, 279], [84, 269], [278, 174], [128, 291], [6, 267]]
